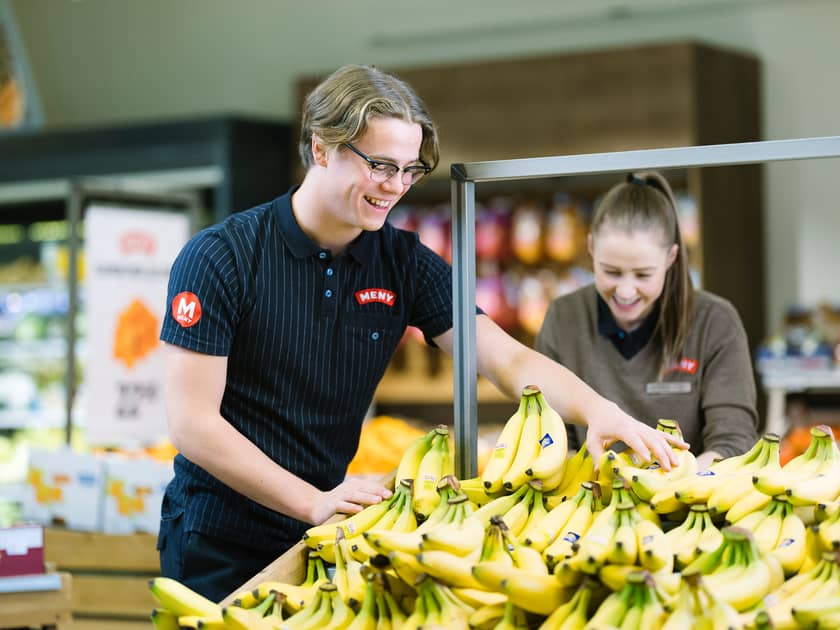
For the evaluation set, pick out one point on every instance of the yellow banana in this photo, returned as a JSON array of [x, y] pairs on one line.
[[566, 540], [580, 468], [753, 501], [412, 456], [436, 464], [163, 619], [823, 487], [505, 449], [654, 552], [624, 545], [773, 481], [528, 448], [448, 568], [358, 522], [182, 600], [236, 618], [541, 534], [552, 458]]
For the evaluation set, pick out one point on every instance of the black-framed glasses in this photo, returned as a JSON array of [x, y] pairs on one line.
[[383, 171]]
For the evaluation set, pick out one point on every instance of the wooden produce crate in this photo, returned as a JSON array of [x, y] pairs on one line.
[[110, 576], [38, 608]]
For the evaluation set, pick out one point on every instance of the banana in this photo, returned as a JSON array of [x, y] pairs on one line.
[[366, 618], [489, 616], [774, 480], [646, 482], [358, 522], [505, 449], [595, 545], [406, 567], [612, 610], [539, 594], [624, 548], [567, 538], [457, 538], [436, 464], [494, 545], [523, 556], [752, 501], [573, 613], [412, 456], [580, 468], [517, 516], [823, 487], [348, 576], [654, 552], [683, 538], [818, 613], [342, 614], [552, 458], [478, 598], [448, 568], [537, 514], [235, 618], [163, 619], [528, 448], [182, 600], [710, 536], [541, 534], [747, 578]]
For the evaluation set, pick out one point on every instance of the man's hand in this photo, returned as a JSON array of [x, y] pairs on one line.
[[610, 424], [349, 497]]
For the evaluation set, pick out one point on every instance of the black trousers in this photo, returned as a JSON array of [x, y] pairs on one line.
[[211, 566]]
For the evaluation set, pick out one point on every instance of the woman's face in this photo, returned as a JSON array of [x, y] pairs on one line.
[[630, 269]]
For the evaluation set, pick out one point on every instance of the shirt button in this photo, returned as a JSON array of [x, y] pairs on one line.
[[328, 293], [375, 336], [322, 255], [330, 271]]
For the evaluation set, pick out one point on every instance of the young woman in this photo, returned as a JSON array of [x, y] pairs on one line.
[[281, 321], [644, 337]]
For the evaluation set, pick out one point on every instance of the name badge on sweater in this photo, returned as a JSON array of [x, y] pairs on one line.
[[675, 387]]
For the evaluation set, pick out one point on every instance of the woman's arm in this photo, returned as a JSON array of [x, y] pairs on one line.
[[511, 366], [193, 392]]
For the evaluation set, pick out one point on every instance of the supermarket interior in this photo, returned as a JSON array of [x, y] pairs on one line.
[[126, 128]]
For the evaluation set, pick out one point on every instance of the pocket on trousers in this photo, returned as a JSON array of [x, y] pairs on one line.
[[170, 539]]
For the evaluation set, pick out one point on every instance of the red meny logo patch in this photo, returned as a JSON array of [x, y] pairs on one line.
[[383, 296], [186, 309], [687, 366]]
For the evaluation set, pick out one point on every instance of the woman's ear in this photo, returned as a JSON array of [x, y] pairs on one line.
[[319, 151], [672, 255]]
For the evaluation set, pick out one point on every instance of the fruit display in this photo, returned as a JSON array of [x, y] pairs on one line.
[[549, 539]]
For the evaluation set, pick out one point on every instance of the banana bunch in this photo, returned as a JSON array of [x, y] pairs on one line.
[[379, 608], [569, 519], [811, 477], [466, 536], [647, 481], [452, 508], [739, 488], [695, 535], [292, 597], [778, 530], [737, 572], [437, 607], [532, 445], [426, 461], [184, 608], [696, 489], [395, 514], [636, 606], [573, 614], [326, 610], [621, 536], [695, 607], [809, 588]]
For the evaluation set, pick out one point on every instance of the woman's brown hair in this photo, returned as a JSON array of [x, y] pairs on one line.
[[645, 201]]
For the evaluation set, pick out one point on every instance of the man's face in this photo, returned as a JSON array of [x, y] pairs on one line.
[[361, 202]]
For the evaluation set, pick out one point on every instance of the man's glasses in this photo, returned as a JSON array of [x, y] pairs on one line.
[[383, 171]]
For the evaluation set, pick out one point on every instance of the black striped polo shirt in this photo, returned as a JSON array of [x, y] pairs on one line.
[[308, 337]]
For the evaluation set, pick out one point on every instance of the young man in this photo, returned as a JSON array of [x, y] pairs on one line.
[[282, 321]]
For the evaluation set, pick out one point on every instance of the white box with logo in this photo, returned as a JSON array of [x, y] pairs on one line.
[[134, 490]]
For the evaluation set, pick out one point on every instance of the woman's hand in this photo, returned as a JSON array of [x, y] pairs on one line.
[[352, 495], [610, 424]]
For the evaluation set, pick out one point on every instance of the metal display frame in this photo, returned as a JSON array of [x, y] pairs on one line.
[[465, 176]]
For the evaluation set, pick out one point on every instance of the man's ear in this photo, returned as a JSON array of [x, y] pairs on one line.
[[319, 151]]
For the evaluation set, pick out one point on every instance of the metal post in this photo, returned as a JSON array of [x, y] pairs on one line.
[[74, 217], [463, 297]]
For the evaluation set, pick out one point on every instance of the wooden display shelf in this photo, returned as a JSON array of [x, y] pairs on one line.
[[110, 575], [39, 608]]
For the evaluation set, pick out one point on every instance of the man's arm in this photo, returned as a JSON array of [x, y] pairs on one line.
[[511, 366], [195, 384]]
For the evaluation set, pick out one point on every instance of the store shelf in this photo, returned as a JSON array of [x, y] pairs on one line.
[[23, 419], [802, 380]]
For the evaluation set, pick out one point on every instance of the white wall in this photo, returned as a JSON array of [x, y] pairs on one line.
[[99, 61]]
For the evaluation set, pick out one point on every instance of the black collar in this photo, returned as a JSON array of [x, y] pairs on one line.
[[300, 245], [627, 343]]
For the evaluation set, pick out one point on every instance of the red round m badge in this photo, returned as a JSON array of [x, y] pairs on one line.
[[186, 309]]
